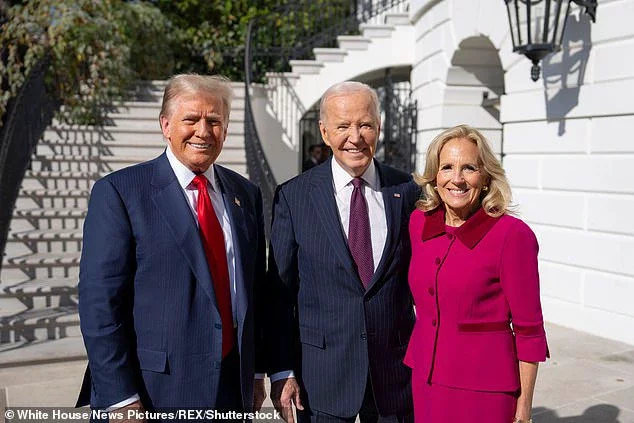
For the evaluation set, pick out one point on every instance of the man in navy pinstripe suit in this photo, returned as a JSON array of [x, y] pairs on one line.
[[167, 306], [341, 312]]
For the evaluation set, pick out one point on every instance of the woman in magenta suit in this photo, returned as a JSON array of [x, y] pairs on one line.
[[479, 331]]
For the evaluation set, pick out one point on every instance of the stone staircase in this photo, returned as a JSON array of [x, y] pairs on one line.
[[280, 104], [38, 281]]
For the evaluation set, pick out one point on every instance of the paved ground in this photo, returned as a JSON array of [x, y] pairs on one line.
[[588, 379]]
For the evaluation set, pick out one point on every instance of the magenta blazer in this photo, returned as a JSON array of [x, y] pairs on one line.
[[477, 301]]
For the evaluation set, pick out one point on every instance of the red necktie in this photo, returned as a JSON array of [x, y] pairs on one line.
[[214, 244]]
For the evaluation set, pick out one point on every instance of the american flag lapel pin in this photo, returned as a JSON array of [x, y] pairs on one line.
[[235, 200], [397, 195]]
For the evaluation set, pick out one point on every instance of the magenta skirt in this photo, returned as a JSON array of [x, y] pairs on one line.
[[440, 404]]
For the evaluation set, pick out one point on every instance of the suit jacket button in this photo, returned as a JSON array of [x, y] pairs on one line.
[[218, 326], [434, 322], [437, 261], [431, 291], [364, 336]]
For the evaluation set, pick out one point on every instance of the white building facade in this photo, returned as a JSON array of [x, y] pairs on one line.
[[564, 141]]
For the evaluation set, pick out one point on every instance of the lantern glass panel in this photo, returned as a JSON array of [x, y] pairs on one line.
[[546, 21]]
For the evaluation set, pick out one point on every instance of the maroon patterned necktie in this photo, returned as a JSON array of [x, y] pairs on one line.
[[214, 244], [359, 239]]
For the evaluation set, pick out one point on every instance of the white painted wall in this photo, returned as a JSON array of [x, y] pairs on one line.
[[567, 146]]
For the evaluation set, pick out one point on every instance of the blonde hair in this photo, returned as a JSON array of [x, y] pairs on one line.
[[191, 83], [496, 201]]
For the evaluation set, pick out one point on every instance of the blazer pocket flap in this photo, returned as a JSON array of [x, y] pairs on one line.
[[312, 337], [154, 361]]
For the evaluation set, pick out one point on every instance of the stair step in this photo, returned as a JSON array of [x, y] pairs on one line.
[[394, 18], [306, 67], [25, 219], [43, 293], [39, 323], [48, 235], [42, 286], [331, 55], [61, 174], [55, 193], [43, 260], [50, 213], [376, 31], [41, 352], [353, 42]]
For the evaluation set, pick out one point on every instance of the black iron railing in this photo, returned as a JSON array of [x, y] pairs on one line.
[[26, 119], [290, 32]]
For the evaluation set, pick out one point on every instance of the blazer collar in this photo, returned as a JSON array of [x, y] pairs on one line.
[[470, 233]]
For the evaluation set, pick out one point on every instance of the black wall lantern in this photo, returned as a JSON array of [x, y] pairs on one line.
[[537, 26]]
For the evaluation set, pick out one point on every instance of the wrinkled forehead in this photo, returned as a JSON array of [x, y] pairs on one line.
[[350, 105]]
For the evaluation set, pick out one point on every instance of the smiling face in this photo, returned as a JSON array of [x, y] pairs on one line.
[[460, 179], [351, 128], [195, 129]]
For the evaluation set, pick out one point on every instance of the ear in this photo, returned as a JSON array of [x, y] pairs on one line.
[[324, 132], [165, 126]]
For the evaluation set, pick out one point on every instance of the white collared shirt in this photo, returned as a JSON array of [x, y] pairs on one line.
[[342, 183], [185, 178]]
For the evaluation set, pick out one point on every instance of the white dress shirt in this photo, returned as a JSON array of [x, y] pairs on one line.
[[342, 184], [185, 178]]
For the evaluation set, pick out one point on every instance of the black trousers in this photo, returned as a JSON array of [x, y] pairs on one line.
[[367, 414]]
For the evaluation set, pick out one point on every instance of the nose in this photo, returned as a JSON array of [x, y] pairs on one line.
[[457, 177], [203, 129], [354, 134]]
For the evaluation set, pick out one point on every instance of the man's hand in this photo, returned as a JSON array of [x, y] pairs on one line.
[[284, 393], [259, 394], [129, 413]]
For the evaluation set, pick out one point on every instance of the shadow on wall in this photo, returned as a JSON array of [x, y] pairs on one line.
[[567, 70], [603, 413]]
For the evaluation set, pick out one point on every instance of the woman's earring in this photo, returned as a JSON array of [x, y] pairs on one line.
[[485, 188], [436, 188]]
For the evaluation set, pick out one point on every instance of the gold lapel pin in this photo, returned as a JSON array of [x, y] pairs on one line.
[[235, 200], [397, 195]]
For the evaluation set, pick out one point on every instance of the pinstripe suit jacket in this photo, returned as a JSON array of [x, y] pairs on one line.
[[148, 312], [322, 322]]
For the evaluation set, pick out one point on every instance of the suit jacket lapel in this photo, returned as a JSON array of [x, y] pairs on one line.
[[393, 202], [234, 206], [322, 196], [172, 205]]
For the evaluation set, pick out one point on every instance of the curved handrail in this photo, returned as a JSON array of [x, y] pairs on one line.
[[284, 34], [27, 117]]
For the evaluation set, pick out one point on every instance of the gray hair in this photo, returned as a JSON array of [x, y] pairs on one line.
[[191, 83], [348, 87]]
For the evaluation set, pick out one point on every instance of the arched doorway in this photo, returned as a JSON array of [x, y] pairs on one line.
[[475, 83]]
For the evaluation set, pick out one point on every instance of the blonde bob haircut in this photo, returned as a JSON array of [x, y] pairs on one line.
[[193, 84], [496, 200]]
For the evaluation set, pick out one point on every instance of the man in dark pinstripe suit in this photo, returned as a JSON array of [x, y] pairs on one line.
[[341, 311]]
